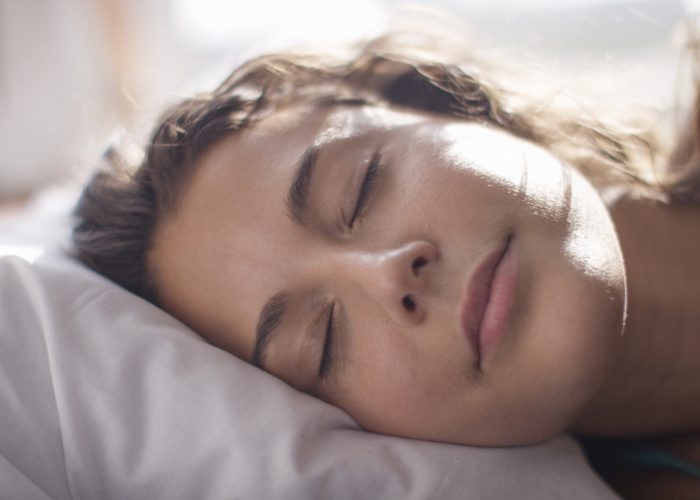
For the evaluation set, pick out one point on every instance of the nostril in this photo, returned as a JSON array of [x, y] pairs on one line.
[[408, 303], [419, 262]]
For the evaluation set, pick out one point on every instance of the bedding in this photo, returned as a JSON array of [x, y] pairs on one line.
[[102, 395]]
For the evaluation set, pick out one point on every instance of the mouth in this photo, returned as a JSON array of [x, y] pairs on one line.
[[487, 300]]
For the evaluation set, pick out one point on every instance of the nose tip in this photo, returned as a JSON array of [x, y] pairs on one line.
[[402, 280]]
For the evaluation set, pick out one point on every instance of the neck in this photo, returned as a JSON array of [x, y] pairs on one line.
[[654, 388]]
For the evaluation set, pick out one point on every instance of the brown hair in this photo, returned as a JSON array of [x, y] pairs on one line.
[[119, 212]]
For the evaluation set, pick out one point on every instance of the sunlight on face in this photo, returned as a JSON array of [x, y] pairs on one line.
[[336, 248]]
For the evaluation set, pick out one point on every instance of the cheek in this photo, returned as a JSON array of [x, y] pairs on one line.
[[394, 386], [583, 325]]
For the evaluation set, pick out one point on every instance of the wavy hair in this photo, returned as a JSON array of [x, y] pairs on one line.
[[122, 206]]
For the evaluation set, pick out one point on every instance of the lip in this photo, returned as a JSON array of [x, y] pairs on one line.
[[488, 299]]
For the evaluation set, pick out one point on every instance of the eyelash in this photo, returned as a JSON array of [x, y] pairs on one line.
[[327, 354], [375, 167]]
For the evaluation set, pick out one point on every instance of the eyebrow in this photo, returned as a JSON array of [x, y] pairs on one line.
[[298, 194], [268, 321], [297, 210]]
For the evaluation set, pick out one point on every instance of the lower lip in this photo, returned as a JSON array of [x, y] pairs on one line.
[[500, 303]]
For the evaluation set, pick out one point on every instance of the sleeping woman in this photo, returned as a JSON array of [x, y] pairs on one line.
[[442, 258]]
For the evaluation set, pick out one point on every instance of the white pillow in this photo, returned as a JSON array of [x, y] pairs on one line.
[[104, 396]]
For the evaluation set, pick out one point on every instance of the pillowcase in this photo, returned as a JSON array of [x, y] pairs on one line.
[[102, 395]]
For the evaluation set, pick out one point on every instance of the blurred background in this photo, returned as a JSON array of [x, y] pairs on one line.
[[73, 73]]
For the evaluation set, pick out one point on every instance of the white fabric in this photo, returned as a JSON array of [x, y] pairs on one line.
[[103, 396]]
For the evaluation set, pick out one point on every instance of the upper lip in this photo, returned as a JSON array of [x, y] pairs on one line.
[[475, 298]]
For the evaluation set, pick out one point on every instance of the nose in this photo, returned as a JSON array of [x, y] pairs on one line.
[[396, 278]]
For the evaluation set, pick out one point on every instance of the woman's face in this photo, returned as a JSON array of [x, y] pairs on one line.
[[335, 246]]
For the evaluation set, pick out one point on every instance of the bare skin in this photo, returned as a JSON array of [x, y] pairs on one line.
[[450, 194], [654, 390], [655, 385], [664, 318], [454, 191]]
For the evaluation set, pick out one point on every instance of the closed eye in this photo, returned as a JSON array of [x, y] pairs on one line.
[[327, 355], [375, 167]]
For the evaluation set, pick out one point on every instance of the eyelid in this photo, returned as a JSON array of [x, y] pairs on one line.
[[364, 192], [327, 352]]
